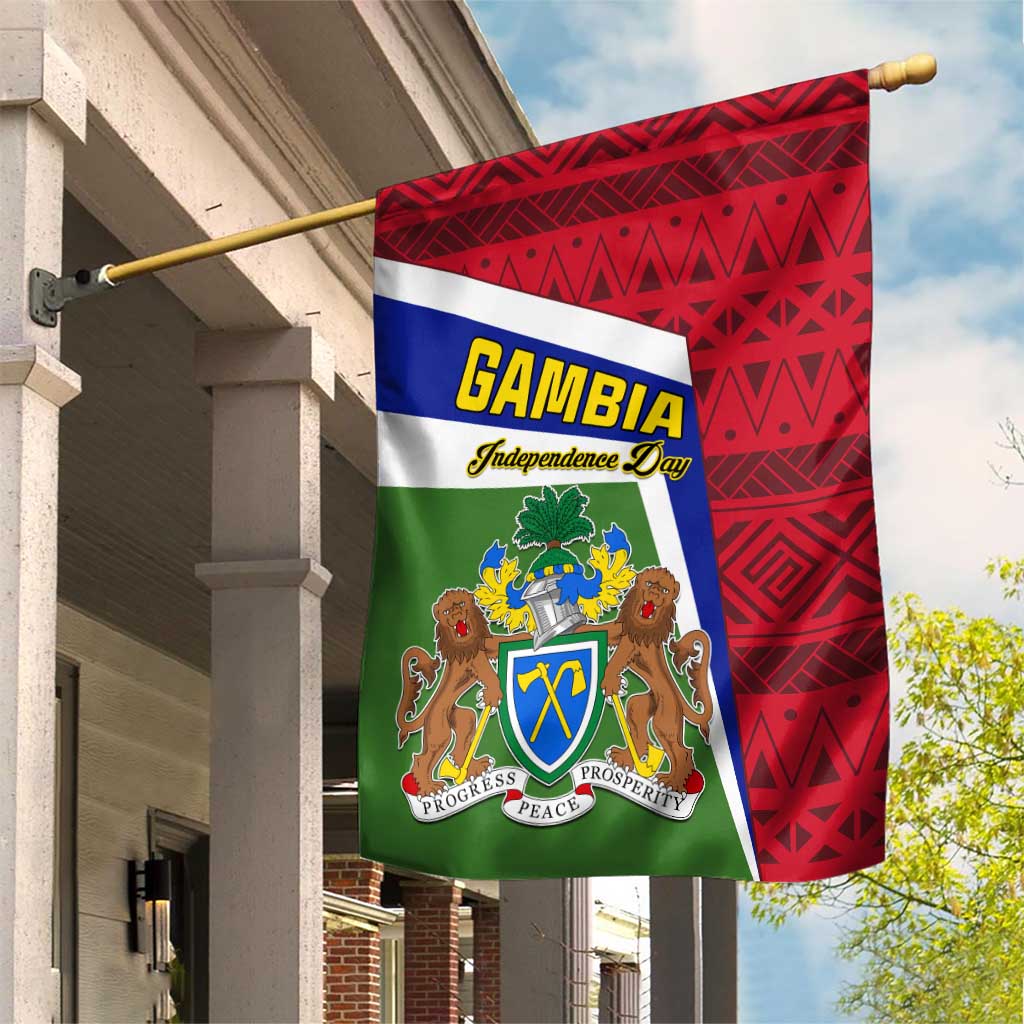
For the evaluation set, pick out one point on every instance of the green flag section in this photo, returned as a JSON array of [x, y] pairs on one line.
[[547, 780]]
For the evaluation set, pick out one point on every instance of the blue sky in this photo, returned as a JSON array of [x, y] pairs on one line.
[[948, 202]]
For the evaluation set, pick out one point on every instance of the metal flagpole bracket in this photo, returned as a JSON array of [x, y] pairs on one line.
[[48, 294]]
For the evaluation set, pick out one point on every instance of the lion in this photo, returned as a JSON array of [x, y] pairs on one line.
[[640, 635], [465, 646]]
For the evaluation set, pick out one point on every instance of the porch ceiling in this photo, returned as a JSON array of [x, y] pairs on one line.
[[396, 90], [135, 476]]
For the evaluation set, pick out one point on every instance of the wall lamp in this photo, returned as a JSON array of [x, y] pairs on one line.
[[149, 888]]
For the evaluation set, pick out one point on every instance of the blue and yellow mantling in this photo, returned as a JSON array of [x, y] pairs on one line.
[[601, 591]]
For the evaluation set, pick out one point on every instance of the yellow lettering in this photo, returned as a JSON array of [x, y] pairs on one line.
[[603, 400], [478, 383], [666, 411], [514, 389], [563, 389], [558, 390], [646, 457], [636, 401]]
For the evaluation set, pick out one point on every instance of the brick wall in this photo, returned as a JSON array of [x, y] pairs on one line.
[[351, 955], [353, 876], [431, 952], [487, 963]]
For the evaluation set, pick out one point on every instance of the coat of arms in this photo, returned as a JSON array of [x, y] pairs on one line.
[[551, 674]]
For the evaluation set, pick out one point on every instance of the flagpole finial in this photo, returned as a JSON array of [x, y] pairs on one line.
[[894, 74]]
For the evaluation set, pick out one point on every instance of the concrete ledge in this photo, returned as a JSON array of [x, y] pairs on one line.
[[276, 572], [35, 72], [291, 355], [358, 912], [36, 369]]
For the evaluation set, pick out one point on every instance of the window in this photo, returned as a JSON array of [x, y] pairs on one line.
[[186, 844]]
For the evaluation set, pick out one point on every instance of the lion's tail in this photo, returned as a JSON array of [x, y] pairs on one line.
[[693, 650], [418, 667]]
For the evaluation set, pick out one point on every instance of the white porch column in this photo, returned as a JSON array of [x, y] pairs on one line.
[[545, 951], [676, 979], [266, 838], [693, 950], [618, 1000], [42, 103], [719, 949]]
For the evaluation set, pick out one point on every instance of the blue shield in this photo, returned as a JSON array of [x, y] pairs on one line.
[[552, 703]]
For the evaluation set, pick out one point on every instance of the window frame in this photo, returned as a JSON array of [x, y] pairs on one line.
[[173, 833], [64, 943]]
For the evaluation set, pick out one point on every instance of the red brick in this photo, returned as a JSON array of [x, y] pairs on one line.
[[432, 952], [352, 958], [486, 964]]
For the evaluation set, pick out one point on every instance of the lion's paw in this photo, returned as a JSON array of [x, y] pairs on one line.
[[670, 780], [620, 756], [615, 689], [431, 788]]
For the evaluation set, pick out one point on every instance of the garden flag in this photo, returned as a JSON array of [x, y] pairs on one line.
[[626, 615]]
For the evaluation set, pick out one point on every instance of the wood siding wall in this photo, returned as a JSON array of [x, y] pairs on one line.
[[143, 743]]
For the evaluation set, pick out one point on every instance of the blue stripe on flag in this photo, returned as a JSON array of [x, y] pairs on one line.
[[421, 357]]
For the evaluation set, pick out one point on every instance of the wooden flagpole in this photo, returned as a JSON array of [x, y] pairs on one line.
[[890, 76], [240, 240]]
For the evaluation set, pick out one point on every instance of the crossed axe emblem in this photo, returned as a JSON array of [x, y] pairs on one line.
[[645, 764], [579, 684]]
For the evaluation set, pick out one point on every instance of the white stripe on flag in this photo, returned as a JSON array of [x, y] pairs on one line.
[[559, 323], [416, 451]]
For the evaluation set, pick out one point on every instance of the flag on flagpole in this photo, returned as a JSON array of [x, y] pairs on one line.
[[626, 614]]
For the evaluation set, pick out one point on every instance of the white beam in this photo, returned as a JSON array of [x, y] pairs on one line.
[[194, 134]]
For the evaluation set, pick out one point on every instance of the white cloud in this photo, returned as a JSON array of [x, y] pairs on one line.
[[940, 381], [627, 892]]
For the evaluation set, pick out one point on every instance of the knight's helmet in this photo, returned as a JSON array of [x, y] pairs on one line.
[[553, 613]]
